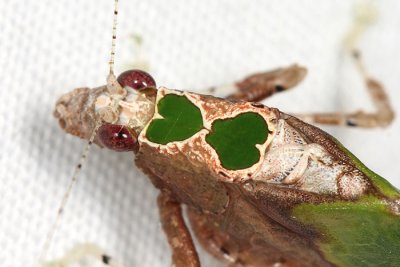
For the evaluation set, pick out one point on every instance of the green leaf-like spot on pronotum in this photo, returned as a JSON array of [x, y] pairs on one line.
[[181, 120], [234, 140], [363, 233]]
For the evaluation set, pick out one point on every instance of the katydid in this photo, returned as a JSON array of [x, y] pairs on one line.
[[262, 187]]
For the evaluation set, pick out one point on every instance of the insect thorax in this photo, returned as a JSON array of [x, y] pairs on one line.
[[193, 142]]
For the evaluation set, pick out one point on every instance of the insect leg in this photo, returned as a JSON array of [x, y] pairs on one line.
[[215, 242], [261, 85], [183, 250], [81, 251], [382, 117], [384, 114]]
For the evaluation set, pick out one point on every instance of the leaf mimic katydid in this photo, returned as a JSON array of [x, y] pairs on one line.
[[262, 188]]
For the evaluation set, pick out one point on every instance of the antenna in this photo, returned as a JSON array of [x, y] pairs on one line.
[[113, 87], [112, 84], [67, 193], [114, 37]]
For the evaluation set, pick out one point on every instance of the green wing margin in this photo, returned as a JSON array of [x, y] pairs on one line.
[[362, 233]]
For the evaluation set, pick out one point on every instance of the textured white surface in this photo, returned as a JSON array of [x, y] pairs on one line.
[[49, 47]]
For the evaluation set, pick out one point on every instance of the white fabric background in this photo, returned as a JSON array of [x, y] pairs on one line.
[[50, 47]]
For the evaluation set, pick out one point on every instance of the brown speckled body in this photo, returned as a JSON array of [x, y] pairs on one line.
[[244, 221], [227, 222]]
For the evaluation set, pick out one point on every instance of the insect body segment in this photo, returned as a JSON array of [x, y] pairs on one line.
[[126, 107], [234, 139], [295, 161], [229, 137], [261, 185]]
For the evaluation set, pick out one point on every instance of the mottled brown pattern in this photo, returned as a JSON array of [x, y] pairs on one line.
[[75, 111], [190, 184], [257, 237], [246, 223], [250, 222], [218, 108], [243, 236]]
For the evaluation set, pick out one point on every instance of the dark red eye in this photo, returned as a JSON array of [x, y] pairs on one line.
[[136, 79], [118, 137]]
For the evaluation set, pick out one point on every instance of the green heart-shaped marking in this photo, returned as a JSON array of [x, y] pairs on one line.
[[181, 120], [234, 140]]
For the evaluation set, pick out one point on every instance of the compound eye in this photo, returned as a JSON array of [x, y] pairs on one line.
[[118, 137], [136, 79]]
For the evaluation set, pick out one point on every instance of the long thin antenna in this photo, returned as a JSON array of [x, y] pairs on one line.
[[67, 193], [114, 37], [113, 87]]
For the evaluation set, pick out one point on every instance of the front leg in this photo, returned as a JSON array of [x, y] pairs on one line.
[[183, 251], [262, 85]]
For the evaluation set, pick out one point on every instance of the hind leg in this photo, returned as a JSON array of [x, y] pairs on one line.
[[384, 114], [382, 117]]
